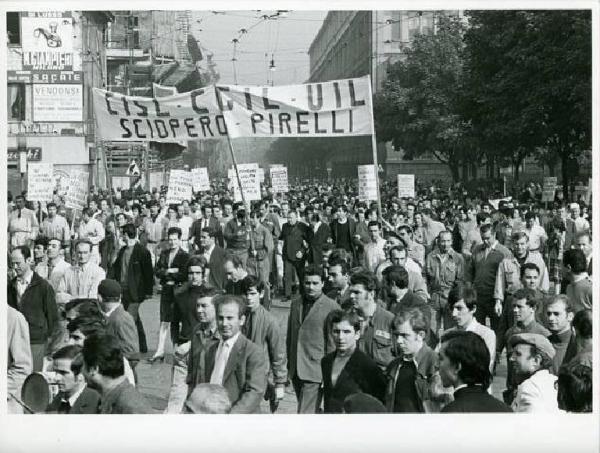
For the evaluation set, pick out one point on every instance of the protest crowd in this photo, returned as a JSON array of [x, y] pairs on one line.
[[406, 308]]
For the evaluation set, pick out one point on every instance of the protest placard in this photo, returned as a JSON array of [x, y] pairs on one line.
[[406, 186], [549, 188], [367, 183], [279, 179], [180, 186], [250, 182], [40, 182], [200, 180], [76, 197]]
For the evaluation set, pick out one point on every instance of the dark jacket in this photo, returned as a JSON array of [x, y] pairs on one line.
[[199, 342], [214, 224], [318, 240], [376, 340], [217, 277], [265, 332], [140, 279], [245, 375], [180, 262], [38, 306], [475, 399], [292, 237], [125, 399], [121, 324], [185, 307], [87, 403], [360, 374], [426, 380], [354, 243]]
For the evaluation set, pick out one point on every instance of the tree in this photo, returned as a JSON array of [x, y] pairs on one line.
[[418, 107]]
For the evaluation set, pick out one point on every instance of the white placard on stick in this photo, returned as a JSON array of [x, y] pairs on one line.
[[549, 188], [406, 186], [40, 182], [367, 183], [76, 197], [180, 186], [279, 179], [250, 182], [200, 180]]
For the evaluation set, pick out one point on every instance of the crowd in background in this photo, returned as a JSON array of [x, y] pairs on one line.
[[406, 307]]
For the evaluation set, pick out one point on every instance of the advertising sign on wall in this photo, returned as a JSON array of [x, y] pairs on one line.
[[57, 102], [47, 41]]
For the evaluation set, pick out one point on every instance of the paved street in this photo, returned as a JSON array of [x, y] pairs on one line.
[[155, 379]]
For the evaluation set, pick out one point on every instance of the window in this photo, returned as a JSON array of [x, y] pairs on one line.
[[15, 97], [13, 28]]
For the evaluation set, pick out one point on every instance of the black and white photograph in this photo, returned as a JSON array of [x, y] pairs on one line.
[[334, 212]]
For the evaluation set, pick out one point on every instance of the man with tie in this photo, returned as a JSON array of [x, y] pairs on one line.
[[34, 298], [199, 225], [215, 257], [235, 362], [308, 340], [74, 396], [296, 236], [481, 272], [81, 281], [237, 235]]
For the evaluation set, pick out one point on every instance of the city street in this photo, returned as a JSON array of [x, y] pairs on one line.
[[155, 379]]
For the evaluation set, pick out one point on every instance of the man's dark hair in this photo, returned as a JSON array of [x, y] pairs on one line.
[[485, 228], [582, 323], [78, 303], [236, 260], [73, 353], [470, 351], [210, 231], [526, 266], [85, 242], [250, 281], [373, 223], [365, 278], [397, 275], [129, 230], [406, 228], [463, 292], [25, 251], [174, 230], [41, 240], [337, 316], [345, 267], [529, 296], [576, 259], [313, 269], [196, 260], [341, 254], [575, 388], [104, 352]]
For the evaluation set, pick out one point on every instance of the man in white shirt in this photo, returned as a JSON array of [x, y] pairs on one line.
[[92, 230], [374, 250], [23, 225], [536, 233], [81, 280], [462, 303], [531, 356], [56, 227]]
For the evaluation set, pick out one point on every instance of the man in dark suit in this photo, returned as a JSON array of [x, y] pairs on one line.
[[343, 232], [464, 361], [171, 269], [296, 237], [308, 340], [321, 236], [118, 322], [201, 224], [235, 362], [133, 271], [348, 370], [35, 299], [215, 257], [103, 368], [74, 396]]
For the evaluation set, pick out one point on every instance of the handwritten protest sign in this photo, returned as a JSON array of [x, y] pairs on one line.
[[200, 179], [180, 186], [549, 188], [406, 186], [76, 197], [279, 179], [40, 182], [250, 182], [367, 183]]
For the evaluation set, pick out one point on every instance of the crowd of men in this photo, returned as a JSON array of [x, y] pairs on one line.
[[404, 309]]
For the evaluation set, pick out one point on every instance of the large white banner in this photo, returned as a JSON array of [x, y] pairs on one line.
[[249, 178], [57, 102], [76, 197], [367, 183], [180, 186], [406, 186], [327, 109], [279, 179], [200, 180], [40, 182]]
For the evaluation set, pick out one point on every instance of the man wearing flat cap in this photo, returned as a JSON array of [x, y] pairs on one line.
[[531, 358]]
